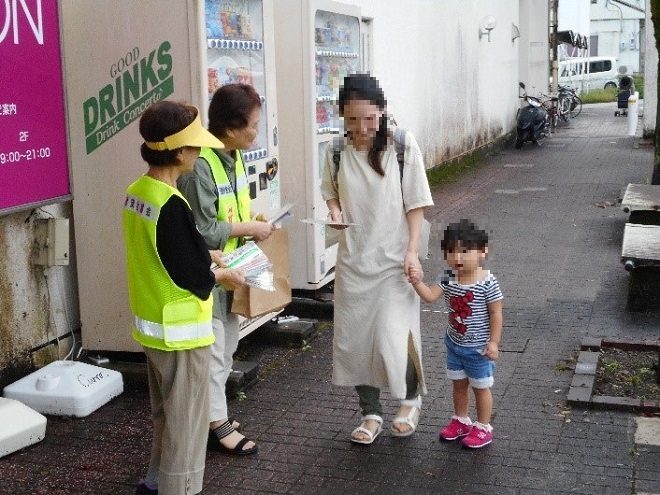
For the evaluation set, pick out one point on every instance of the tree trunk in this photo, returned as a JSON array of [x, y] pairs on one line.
[[655, 17]]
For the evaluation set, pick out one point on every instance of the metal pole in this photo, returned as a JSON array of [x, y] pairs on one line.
[[554, 9]]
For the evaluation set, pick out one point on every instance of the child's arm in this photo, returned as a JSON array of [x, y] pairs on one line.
[[428, 294], [495, 317]]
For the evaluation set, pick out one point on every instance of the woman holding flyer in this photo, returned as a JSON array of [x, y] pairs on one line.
[[169, 287], [376, 320], [219, 196]]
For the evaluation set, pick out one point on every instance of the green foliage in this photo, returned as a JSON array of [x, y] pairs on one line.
[[598, 96], [609, 95], [638, 80], [563, 366], [449, 172], [611, 366]]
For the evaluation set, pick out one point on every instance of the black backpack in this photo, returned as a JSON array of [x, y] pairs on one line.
[[399, 146]]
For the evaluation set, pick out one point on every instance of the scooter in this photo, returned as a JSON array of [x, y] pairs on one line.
[[533, 122]]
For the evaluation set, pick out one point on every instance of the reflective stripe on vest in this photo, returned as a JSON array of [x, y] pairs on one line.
[[233, 206], [193, 331], [178, 319]]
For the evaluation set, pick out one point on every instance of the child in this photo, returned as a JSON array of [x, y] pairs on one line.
[[474, 330]]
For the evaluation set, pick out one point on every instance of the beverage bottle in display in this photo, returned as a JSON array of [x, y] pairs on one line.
[[246, 26], [226, 27], [321, 114], [234, 24], [213, 82], [213, 26]]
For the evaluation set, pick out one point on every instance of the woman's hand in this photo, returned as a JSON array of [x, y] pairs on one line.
[[411, 264], [216, 257], [260, 229], [334, 215], [229, 278]]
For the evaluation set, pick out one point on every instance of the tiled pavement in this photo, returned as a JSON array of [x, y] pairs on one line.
[[556, 254]]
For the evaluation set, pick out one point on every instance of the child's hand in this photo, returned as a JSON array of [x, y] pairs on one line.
[[416, 275], [492, 351]]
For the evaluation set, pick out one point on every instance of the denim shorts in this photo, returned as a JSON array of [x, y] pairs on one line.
[[469, 362]]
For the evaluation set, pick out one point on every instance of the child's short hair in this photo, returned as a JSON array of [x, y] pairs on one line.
[[466, 233]]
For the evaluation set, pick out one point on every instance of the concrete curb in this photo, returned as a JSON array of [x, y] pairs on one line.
[[581, 391]]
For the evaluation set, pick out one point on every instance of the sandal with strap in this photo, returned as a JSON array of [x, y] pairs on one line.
[[235, 424], [362, 429], [411, 420], [222, 431]]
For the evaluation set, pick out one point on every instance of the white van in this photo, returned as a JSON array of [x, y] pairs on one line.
[[589, 73]]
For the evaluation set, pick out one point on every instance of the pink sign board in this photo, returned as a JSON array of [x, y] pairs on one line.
[[33, 156]]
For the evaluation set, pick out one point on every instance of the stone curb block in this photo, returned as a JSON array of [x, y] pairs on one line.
[[580, 392]]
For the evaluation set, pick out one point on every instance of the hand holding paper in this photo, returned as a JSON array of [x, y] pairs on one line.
[[254, 264], [281, 215], [229, 278]]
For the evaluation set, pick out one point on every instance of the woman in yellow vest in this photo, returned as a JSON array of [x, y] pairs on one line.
[[219, 195], [169, 286]]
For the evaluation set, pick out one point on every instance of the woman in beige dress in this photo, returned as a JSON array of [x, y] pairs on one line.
[[377, 339]]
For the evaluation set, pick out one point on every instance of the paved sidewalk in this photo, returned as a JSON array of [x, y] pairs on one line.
[[556, 254]]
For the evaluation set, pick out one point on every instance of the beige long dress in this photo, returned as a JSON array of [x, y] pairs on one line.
[[376, 318]]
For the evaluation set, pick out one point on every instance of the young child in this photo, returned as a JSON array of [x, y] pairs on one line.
[[474, 330]]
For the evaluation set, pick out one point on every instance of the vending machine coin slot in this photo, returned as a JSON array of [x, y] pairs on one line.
[[252, 170], [253, 190], [263, 181]]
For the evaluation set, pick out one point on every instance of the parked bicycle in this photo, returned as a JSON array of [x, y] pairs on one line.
[[558, 107], [574, 101]]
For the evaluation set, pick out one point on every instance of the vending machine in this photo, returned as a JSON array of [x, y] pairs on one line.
[[317, 43], [237, 47], [118, 60]]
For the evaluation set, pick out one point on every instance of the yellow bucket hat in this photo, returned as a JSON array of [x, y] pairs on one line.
[[192, 135]]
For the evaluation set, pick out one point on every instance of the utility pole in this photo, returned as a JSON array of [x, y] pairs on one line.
[[554, 62]]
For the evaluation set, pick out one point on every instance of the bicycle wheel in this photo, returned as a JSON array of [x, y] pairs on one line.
[[576, 106], [564, 108]]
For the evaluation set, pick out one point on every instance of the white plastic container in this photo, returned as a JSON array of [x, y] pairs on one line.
[[67, 388], [20, 426]]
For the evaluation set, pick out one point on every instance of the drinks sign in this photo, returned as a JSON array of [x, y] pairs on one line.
[[33, 154]]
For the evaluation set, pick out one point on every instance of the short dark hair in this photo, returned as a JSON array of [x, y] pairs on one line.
[[466, 233], [230, 108], [160, 120]]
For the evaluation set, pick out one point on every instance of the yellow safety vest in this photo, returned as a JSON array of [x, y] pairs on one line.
[[165, 316], [233, 206]]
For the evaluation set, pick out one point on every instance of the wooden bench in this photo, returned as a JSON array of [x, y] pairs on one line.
[[642, 201], [641, 246], [640, 252]]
